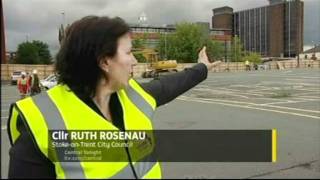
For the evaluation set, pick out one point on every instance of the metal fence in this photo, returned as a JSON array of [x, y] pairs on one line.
[[45, 70]]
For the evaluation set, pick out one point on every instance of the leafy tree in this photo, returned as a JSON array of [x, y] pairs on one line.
[[138, 45], [253, 57], [236, 52], [185, 43], [140, 58], [43, 51], [35, 52], [215, 50], [27, 53]]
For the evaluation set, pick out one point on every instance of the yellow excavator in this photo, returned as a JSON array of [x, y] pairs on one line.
[[156, 67]]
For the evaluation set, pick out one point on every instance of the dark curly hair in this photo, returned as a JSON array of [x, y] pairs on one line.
[[87, 41]]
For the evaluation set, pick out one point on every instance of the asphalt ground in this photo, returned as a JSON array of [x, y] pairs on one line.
[[286, 100]]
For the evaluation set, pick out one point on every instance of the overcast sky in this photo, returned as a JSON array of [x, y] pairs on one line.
[[40, 19]]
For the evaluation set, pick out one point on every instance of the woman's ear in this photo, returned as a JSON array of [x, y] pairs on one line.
[[104, 65]]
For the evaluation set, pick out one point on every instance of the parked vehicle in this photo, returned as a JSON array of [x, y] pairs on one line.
[[15, 76], [48, 82]]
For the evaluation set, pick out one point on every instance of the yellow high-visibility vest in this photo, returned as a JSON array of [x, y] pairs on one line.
[[22, 81], [60, 109]]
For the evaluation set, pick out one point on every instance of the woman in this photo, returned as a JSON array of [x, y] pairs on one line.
[[95, 92]]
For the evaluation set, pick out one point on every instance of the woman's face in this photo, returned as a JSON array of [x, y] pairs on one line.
[[120, 67]]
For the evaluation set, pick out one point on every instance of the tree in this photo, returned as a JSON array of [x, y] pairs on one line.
[[215, 50], [140, 58], [253, 58], [27, 53], [185, 43], [138, 45], [35, 52], [236, 52], [43, 51]]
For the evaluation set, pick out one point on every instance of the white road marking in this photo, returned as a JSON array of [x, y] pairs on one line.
[[311, 90], [241, 85], [220, 100], [255, 104], [298, 94], [286, 83], [265, 93], [289, 108], [309, 77], [241, 92], [247, 107], [298, 79], [308, 96], [228, 89], [289, 76], [306, 99], [287, 102], [274, 99], [202, 86]]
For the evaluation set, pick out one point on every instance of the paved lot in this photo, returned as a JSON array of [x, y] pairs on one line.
[[287, 100]]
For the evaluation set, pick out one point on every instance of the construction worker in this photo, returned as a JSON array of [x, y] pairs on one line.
[[28, 77], [35, 86], [23, 85], [95, 91], [247, 63]]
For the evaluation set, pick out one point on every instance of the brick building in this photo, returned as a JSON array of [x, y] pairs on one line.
[[152, 33]]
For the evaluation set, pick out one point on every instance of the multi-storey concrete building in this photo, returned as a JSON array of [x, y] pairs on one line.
[[275, 30]]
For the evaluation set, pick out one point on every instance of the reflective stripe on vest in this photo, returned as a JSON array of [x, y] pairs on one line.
[[23, 81], [141, 168], [54, 117], [74, 170], [54, 121], [13, 125], [141, 103]]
